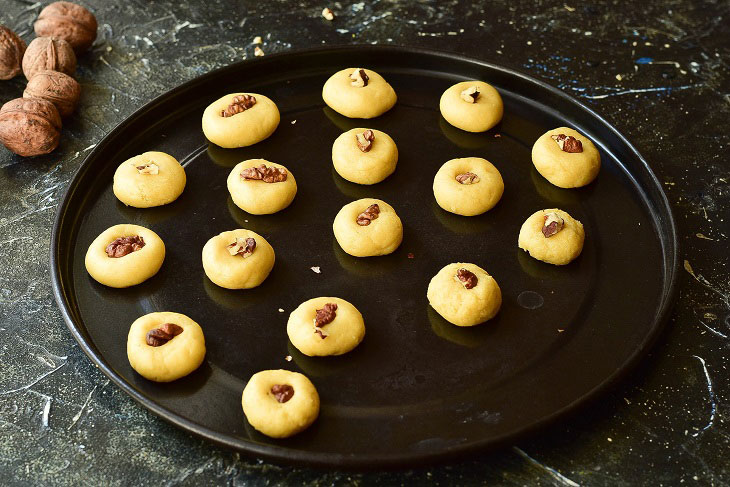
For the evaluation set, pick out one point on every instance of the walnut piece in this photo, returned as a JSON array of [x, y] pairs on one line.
[[321, 334], [568, 143], [240, 103], [328, 14], [467, 278], [12, 48], [364, 218], [30, 127], [267, 174], [467, 178], [470, 94], [122, 246], [242, 246], [358, 78], [552, 224], [325, 315], [58, 88], [282, 392], [68, 21], [48, 53], [163, 334], [150, 168], [365, 140]]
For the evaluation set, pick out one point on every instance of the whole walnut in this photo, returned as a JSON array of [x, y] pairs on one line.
[[48, 53], [30, 127], [58, 88], [12, 48], [68, 21]]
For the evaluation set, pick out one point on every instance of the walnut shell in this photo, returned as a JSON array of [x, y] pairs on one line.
[[30, 127], [12, 48], [68, 21], [48, 53], [58, 88]]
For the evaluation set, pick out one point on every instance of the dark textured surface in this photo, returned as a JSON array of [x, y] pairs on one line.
[[63, 423]]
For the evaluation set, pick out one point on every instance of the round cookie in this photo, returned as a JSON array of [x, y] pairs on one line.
[[468, 186], [353, 95], [238, 259], [368, 227], [364, 156], [229, 124], [280, 403], [125, 255], [474, 106], [165, 346], [464, 294], [566, 158], [325, 326], [260, 187], [149, 179], [552, 236]]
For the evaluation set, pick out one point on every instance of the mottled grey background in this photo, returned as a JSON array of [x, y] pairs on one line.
[[658, 70]]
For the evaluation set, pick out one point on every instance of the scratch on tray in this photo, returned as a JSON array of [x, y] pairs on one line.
[[700, 278], [713, 398], [553, 473]]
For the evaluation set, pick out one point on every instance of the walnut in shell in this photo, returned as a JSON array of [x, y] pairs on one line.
[[58, 88], [12, 48], [68, 21], [48, 53], [29, 126]]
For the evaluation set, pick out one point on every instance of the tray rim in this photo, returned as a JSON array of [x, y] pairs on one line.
[[306, 458]]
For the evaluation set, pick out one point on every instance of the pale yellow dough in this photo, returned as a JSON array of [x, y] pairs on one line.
[[364, 167], [242, 129], [559, 249], [366, 102], [257, 197], [131, 269], [234, 271], [343, 333], [565, 169], [381, 237], [461, 306], [172, 360], [142, 190], [275, 419], [472, 117], [468, 199]]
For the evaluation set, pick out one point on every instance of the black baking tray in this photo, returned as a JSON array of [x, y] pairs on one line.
[[417, 389]]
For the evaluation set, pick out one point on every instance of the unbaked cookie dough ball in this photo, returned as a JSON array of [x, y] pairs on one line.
[[260, 187], [325, 326], [464, 294], [280, 403], [566, 158], [358, 93], [238, 259], [468, 186], [165, 346], [149, 179], [125, 255], [552, 236], [474, 106], [368, 227], [364, 156], [240, 120]]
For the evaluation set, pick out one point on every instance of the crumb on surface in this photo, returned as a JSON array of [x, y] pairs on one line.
[[316, 269], [257, 40], [258, 52], [288, 358]]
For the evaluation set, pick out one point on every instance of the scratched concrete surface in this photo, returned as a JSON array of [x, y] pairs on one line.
[[658, 70]]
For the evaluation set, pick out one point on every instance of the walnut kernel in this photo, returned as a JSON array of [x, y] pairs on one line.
[[359, 78], [470, 94], [365, 140]]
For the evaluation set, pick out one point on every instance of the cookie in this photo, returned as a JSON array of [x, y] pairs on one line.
[[238, 259], [165, 346], [260, 187], [364, 156], [325, 326], [552, 236], [125, 255], [464, 294], [149, 179], [280, 403], [474, 106], [368, 227], [358, 93], [240, 120], [566, 158], [468, 186]]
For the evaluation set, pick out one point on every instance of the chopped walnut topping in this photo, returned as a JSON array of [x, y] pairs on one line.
[[267, 174], [240, 103], [122, 246], [163, 334], [467, 278], [150, 168], [365, 140], [359, 78], [321, 334], [328, 14], [258, 52], [552, 224], [470, 94], [325, 315], [364, 218], [468, 178], [568, 143], [242, 246], [282, 392]]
